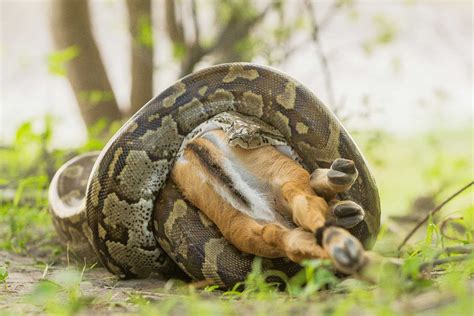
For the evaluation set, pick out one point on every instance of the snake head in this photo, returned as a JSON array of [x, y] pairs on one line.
[[244, 135]]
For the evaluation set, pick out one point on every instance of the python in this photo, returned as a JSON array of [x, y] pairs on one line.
[[182, 188]]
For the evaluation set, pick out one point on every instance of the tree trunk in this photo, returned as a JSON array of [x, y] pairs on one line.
[[141, 32], [86, 73]]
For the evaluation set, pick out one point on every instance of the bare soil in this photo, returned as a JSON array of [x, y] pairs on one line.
[[24, 273]]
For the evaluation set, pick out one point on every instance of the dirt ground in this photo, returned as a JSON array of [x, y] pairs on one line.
[[24, 274], [111, 295]]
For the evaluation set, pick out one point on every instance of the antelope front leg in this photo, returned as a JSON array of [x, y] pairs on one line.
[[312, 212], [296, 189], [338, 178], [308, 210]]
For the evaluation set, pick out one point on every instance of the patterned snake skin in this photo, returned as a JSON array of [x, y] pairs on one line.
[[137, 221]]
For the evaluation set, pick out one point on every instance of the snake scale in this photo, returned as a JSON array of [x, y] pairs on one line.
[[122, 204]]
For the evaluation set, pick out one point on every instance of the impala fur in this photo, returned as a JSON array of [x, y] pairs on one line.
[[250, 193]]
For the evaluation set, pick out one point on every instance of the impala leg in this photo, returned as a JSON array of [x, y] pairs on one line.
[[346, 213], [202, 177], [308, 210], [193, 175], [345, 251], [338, 178], [285, 180], [295, 189], [311, 212]]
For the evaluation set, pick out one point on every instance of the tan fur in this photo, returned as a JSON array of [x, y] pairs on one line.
[[288, 184], [324, 187]]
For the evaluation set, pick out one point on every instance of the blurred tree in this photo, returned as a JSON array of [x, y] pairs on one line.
[[71, 28], [231, 36], [73, 35], [141, 31], [235, 20]]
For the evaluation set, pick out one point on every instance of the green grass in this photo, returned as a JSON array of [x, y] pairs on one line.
[[3, 274], [426, 165]]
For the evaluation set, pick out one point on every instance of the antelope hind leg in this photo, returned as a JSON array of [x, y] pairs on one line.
[[345, 251]]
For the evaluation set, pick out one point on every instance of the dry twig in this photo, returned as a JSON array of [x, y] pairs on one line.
[[431, 264], [432, 212], [322, 56], [464, 249]]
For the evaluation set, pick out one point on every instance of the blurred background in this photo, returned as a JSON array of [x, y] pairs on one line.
[[397, 73]]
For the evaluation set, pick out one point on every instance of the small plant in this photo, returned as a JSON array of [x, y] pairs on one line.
[[315, 276], [3, 274], [61, 295]]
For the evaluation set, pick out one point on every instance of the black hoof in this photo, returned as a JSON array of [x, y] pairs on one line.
[[344, 249], [344, 165], [342, 172], [348, 257], [347, 213]]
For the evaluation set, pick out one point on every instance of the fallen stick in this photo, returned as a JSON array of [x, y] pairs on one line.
[[433, 211], [429, 265], [465, 249]]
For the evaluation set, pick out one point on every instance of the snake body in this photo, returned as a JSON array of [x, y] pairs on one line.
[[138, 222]]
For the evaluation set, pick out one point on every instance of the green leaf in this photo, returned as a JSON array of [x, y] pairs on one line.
[[94, 97], [385, 33], [386, 29], [3, 274], [58, 59], [247, 47], [411, 266], [145, 31], [179, 50], [25, 131]]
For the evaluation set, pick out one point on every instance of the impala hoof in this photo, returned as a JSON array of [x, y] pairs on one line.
[[347, 213]]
